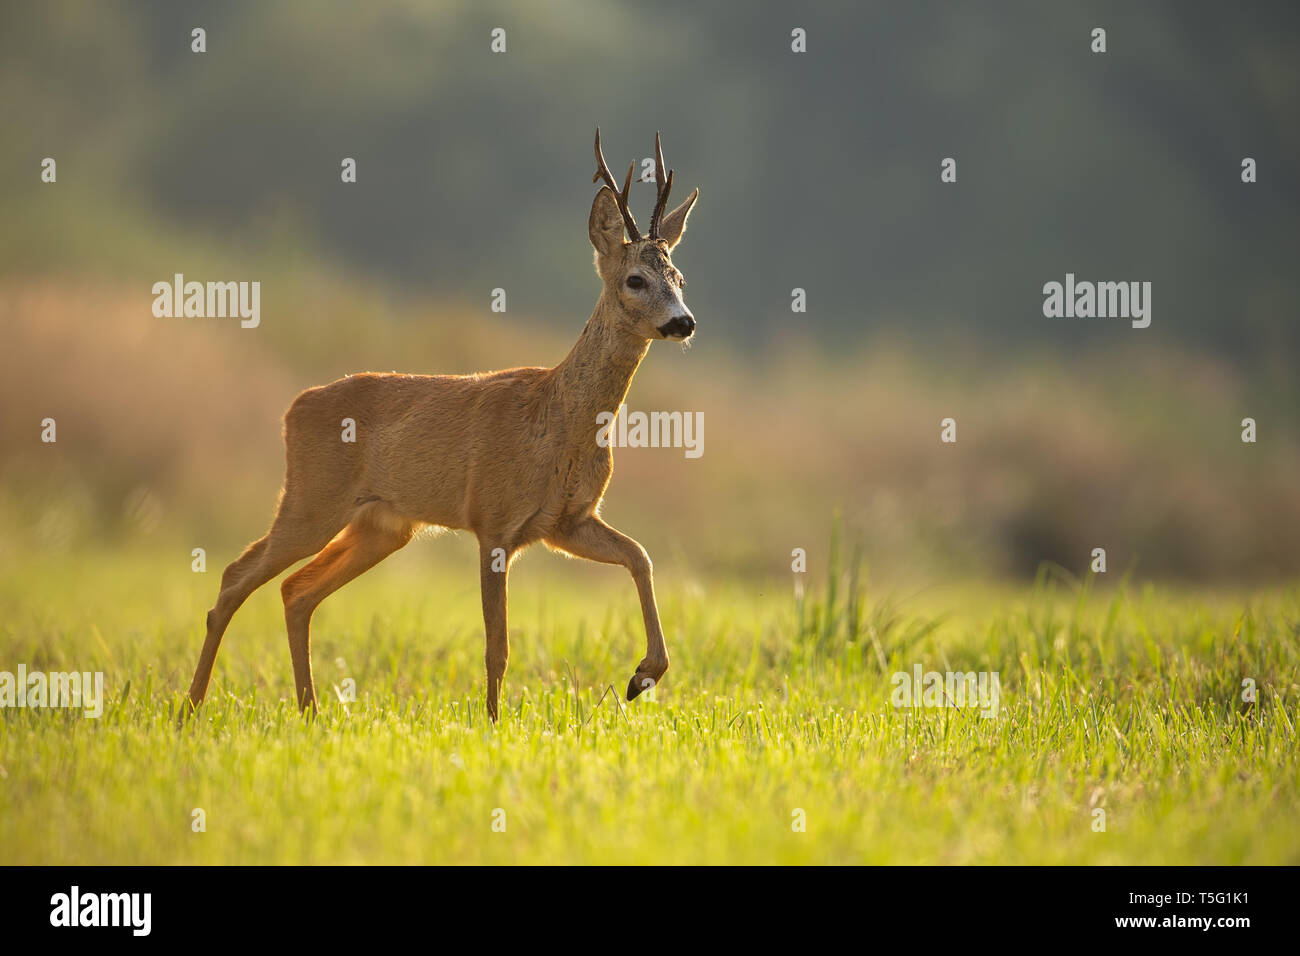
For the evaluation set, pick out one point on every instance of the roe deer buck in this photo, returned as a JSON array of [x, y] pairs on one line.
[[511, 456]]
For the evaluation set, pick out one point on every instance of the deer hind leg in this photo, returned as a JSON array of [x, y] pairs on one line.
[[364, 543], [596, 541], [295, 534]]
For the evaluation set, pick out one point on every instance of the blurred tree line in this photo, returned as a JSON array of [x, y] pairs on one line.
[[817, 170]]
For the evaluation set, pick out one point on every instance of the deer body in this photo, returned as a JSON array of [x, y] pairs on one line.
[[511, 456]]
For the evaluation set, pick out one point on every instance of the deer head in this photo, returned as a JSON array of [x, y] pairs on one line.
[[639, 275]]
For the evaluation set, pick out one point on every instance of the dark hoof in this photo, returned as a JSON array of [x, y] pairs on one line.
[[637, 684]]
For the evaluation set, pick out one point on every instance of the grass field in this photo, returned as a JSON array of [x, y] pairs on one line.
[[1125, 698]]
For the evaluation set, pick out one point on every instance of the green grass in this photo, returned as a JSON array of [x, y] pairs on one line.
[[1121, 698]]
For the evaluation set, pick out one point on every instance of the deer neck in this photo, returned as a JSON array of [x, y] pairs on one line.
[[596, 374]]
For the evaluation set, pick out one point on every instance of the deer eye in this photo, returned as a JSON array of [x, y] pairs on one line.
[[635, 282]]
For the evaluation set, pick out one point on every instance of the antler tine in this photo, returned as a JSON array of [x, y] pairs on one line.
[[663, 186], [627, 184], [602, 172], [660, 203]]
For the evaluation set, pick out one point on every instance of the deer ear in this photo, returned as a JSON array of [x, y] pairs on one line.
[[605, 225], [674, 224]]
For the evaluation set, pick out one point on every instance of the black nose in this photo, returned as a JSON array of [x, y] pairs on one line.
[[682, 325]]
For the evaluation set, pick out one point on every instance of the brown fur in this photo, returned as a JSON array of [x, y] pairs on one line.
[[510, 456]]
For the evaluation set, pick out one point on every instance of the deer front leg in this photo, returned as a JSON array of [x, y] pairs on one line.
[[596, 541], [494, 564]]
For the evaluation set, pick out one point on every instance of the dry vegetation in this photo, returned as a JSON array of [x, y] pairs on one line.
[[171, 428]]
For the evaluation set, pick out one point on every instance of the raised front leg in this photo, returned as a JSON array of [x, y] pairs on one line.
[[494, 564], [596, 541]]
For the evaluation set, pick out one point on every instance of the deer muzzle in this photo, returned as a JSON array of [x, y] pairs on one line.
[[678, 327]]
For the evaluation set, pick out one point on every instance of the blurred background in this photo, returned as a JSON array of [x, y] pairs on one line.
[[817, 171]]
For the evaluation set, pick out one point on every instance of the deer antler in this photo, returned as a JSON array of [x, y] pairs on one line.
[[663, 186], [602, 172]]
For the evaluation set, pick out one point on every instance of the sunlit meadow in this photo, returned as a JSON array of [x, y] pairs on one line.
[[772, 739]]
